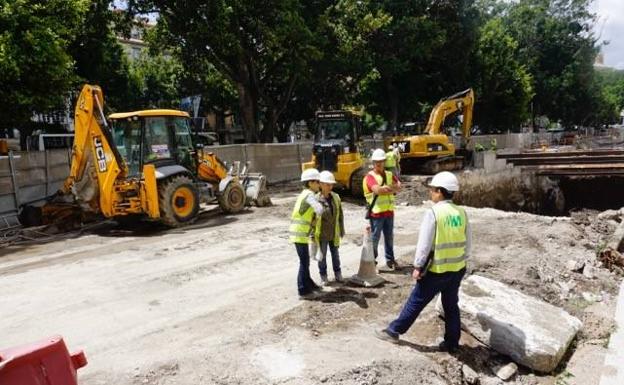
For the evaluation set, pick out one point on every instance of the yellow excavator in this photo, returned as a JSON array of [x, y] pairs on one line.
[[336, 149], [432, 151], [143, 164]]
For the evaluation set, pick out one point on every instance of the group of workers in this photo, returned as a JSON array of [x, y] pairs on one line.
[[444, 240]]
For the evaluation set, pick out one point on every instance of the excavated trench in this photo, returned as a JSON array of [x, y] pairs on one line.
[[515, 190]]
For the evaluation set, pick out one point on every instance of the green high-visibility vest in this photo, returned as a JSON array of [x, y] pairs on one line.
[[301, 219], [390, 159], [336, 217], [383, 202], [450, 239]]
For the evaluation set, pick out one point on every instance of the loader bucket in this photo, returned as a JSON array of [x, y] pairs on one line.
[[255, 189]]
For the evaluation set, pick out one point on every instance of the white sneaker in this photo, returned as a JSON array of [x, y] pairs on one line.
[[324, 280]]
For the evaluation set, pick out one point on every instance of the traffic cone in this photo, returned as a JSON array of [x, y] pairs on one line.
[[367, 274]]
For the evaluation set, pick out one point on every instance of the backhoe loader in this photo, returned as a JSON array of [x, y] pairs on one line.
[[432, 151], [144, 164], [336, 149]]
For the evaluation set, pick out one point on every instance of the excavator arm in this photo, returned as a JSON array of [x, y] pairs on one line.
[[462, 101], [96, 164]]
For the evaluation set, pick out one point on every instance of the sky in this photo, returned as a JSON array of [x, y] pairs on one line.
[[610, 27]]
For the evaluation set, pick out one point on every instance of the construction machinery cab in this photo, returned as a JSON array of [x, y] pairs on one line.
[[158, 137], [337, 133], [336, 148]]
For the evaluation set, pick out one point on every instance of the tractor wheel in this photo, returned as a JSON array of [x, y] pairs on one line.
[[357, 179], [178, 200], [232, 199]]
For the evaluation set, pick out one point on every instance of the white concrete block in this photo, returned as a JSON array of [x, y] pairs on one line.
[[532, 332]]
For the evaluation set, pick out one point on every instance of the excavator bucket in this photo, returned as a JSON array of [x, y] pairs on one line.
[[255, 189], [254, 183]]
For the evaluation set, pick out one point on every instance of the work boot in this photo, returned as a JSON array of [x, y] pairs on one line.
[[310, 296], [443, 347], [324, 280], [385, 335], [392, 264], [339, 277]]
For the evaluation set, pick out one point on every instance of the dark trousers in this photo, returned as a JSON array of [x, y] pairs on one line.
[[305, 284], [425, 290], [383, 225], [322, 265]]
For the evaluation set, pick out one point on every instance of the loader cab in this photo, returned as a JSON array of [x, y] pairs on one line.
[[159, 137], [337, 133]]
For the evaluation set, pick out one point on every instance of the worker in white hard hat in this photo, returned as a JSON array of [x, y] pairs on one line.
[[379, 188], [307, 209], [444, 244], [391, 161], [330, 228]]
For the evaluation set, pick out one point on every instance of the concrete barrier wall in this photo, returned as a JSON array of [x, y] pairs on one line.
[[28, 177], [40, 174]]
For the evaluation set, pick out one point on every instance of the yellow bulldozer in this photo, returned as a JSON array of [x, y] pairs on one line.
[[337, 149], [432, 151], [143, 164]]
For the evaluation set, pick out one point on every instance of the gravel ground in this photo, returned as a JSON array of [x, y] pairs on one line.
[[216, 303]]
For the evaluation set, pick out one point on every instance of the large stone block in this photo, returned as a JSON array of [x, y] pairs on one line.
[[532, 332]]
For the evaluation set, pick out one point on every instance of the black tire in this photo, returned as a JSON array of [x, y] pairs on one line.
[[232, 199], [356, 183], [178, 200]]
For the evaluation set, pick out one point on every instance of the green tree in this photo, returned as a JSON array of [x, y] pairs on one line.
[[557, 45], [610, 96], [36, 69], [99, 58], [155, 82], [342, 31], [261, 48], [503, 85], [420, 56]]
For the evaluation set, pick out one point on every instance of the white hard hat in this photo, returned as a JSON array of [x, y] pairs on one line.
[[310, 174], [327, 177], [446, 180], [378, 154], [390, 147]]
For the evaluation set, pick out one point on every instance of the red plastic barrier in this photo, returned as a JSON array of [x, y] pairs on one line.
[[44, 362]]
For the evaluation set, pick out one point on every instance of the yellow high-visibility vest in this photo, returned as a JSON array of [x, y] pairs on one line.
[[383, 202], [390, 159], [317, 232], [450, 239], [301, 223]]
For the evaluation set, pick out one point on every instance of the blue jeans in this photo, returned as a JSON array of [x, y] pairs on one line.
[[322, 265], [385, 225], [305, 284], [424, 291]]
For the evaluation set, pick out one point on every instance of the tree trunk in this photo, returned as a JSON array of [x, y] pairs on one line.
[[220, 125], [248, 106], [282, 131], [270, 127]]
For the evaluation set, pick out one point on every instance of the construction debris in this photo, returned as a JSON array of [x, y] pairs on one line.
[[505, 372], [533, 333]]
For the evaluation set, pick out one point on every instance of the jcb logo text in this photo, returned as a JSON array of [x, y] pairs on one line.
[[100, 156]]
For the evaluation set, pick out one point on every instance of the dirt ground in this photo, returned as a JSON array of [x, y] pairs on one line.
[[216, 302]]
